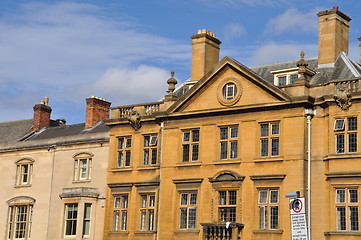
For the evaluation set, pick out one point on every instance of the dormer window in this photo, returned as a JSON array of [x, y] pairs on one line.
[[285, 76], [282, 80]]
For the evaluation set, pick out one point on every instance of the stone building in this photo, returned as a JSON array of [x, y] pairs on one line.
[[53, 175], [216, 158]]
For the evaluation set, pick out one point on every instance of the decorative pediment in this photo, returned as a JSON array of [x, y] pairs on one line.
[[229, 85]]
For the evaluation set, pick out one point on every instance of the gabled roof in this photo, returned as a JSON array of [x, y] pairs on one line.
[[239, 68]]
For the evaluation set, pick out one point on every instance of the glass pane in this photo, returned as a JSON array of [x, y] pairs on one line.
[[263, 196], [125, 201], [264, 147], [192, 218], [262, 217], [154, 156], [151, 201], [353, 196], [186, 136], [195, 151], [352, 124], [264, 130], [274, 218], [129, 142], [183, 218], [354, 219], [121, 143], [275, 128], [222, 198], [186, 153], [116, 221], [153, 141], [195, 135], [184, 199], [282, 80], [143, 217], [234, 149], [340, 143], [341, 218], [275, 146], [87, 210], [224, 150], [150, 219], [146, 141], [143, 201], [127, 159], [224, 133], [232, 197], [120, 159], [234, 132], [193, 199], [146, 157], [339, 124], [352, 142], [340, 196], [117, 202], [274, 196]]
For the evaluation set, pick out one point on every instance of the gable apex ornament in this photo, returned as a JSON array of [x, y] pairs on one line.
[[343, 97], [134, 120]]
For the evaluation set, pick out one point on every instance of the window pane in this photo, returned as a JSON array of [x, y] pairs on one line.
[[195, 135], [183, 218], [146, 157], [129, 142], [234, 149], [143, 201], [339, 124], [186, 136], [264, 130], [222, 197], [262, 196], [352, 124], [340, 143], [184, 199], [120, 159], [193, 199], [264, 147], [195, 151], [224, 150], [146, 141], [340, 196], [234, 132], [262, 217], [151, 201], [86, 222], [186, 153], [143, 218], [124, 220], [354, 219], [353, 195], [192, 218], [352, 142], [125, 201], [275, 146], [224, 133], [121, 143], [274, 218], [282, 80], [116, 220], [274, 196], [150, 219], [275, 128], [341, 218], [154, 156], [153, 141], [127, 158], [232, 197]]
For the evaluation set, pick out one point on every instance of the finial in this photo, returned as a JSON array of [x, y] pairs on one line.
[[171, 82], [302, 54]]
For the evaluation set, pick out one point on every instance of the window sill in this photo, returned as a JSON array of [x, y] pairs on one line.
[[123, 169], [341, 156], [187, 231], [145, 232], [227, 161], [149, 167], [118, 233], [81, 181], [268, 231], [269, 159], [342, 233], [24, 185], [189, 164]]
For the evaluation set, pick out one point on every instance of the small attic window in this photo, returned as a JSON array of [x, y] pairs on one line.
[[229, 91], [285, 76]]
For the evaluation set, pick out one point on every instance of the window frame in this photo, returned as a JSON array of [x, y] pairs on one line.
[[79, 167], [147, 211], [16, 222], [72, 220], [21, 165], [150, 149], [124, 151], [345, 208], [228, 143], [120, 220], [188, 210], [268, 219], [270, 144], [227, 205], [190, 145], [346, 135]]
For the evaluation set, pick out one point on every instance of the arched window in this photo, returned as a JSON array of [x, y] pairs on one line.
[[19, 217], [82, 166], [24, 170]]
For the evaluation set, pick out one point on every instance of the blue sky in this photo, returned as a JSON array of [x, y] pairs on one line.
[[124, 50]]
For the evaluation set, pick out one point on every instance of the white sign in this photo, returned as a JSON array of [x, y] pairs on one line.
[[299, 228], [297, 206]]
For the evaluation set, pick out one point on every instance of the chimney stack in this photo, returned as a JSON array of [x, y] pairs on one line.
[[97, 109], [205, 53], [41, 115], [332, 35]]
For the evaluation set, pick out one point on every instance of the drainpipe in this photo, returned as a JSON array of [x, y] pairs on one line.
[[160, 173], [309, 113]]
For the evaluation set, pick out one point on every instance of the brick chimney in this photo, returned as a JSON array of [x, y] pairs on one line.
[[205, 53], [332, 35], [41, 115], [97, 109]]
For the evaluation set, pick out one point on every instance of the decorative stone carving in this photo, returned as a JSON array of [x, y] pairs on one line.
[[343, 97], [134, 120]]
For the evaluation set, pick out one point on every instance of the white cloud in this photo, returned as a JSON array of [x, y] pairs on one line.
[[63, 50], [293, 21], [234, 30], [274, 52]]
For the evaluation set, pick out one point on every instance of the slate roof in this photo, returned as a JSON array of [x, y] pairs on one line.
[[343, 68], [15, 130]]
